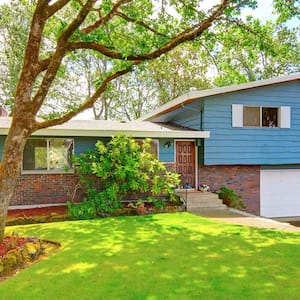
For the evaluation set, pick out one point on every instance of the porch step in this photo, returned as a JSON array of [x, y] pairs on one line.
[[196, 201]]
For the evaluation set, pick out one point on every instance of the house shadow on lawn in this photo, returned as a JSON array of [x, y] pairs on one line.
[[167, 256]]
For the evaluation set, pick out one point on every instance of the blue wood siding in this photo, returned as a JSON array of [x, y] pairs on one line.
[[189, 116], [264, 146], [189, 119], [166, 154]]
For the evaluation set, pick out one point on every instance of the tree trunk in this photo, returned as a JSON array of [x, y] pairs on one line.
[[10, 167]]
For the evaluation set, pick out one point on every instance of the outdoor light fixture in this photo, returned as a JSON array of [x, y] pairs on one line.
[[168, 144]]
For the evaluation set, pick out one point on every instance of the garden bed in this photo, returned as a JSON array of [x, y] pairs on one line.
[[19, 252]]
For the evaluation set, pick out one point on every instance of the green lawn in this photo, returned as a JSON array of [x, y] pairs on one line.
[[166, 256]]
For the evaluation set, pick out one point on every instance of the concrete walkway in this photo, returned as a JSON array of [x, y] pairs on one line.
[[234, 216]]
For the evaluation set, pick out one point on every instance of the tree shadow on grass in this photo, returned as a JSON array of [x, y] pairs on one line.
[[165, 256]]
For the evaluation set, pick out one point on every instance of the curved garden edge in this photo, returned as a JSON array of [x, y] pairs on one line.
[[20, 252]]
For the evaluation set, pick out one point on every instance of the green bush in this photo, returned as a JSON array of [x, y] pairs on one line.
[[121, 167], [231, 198]]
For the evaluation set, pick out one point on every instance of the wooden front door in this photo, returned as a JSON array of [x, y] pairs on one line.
[[185, 162]]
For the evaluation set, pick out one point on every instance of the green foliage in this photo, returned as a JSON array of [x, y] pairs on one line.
[[121, 167], [159, 203], [83, 211], [254, 50], [231, 198]]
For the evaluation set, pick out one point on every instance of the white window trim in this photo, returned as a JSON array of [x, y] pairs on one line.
[[284, 116], [48, 171], [237, 115]]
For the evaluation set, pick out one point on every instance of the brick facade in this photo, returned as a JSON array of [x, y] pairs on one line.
[[244, 180], [35, 189]]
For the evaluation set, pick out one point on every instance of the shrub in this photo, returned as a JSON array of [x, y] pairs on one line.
[[230, 198], [122, 167]]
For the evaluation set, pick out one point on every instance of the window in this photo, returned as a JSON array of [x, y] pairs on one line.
[[257, 116], [260, 116], [43, 154], [153, 146], [251, 116]]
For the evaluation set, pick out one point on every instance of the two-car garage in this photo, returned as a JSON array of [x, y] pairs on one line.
[[280, 193]]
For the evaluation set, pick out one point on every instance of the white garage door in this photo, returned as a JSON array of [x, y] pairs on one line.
[[280, 193]]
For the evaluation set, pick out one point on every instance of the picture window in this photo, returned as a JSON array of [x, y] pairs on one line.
[[54, 154]]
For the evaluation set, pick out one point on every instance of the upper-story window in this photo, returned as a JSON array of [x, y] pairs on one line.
[[258, 116], [48, 155], [261, 116]]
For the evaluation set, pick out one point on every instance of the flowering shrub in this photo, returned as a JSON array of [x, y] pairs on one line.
[[123, 167]]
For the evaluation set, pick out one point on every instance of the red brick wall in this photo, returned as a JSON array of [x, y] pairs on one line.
[[36, 189], [245, 180]]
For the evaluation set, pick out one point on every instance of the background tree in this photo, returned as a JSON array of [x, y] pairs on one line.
[[14, 28], [252, 51]]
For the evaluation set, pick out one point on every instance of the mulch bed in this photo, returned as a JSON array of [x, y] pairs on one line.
[[36, 212]]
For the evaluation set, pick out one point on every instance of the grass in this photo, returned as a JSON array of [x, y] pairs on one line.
[[166, 256]]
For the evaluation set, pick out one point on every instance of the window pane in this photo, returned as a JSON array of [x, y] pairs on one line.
[[154, 148], [60, 153], [251, 116], [35, 155], [270, 117]]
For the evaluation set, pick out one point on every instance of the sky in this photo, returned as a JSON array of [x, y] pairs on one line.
[[263, 12]]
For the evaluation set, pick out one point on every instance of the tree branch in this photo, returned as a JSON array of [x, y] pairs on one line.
[[77, 21], [56, 6], [106, 18], [57, 57], [43, 65], [141, 23], [187, 35], [88, 103]]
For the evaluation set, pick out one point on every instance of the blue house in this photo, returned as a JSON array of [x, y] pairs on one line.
[[246, 137], [254, 143]]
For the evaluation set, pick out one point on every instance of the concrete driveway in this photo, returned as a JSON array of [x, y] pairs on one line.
[[234, 216]]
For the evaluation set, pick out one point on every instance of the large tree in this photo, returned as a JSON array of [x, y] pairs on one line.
[[125, 32]]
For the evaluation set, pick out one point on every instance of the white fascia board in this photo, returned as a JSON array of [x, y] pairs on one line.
[[93, 129], [195, 95], [133, 133]]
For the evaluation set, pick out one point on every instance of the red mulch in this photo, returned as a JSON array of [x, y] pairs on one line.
[[10, 243], [36, 212]]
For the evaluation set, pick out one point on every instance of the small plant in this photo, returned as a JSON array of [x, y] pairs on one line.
[[231, 198], [139, 207], [82, 211], [159, 203]]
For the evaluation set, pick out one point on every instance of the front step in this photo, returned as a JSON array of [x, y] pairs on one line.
[[196, 200]]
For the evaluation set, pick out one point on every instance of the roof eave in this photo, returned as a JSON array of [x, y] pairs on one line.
[[195, 95], [109, 133]]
